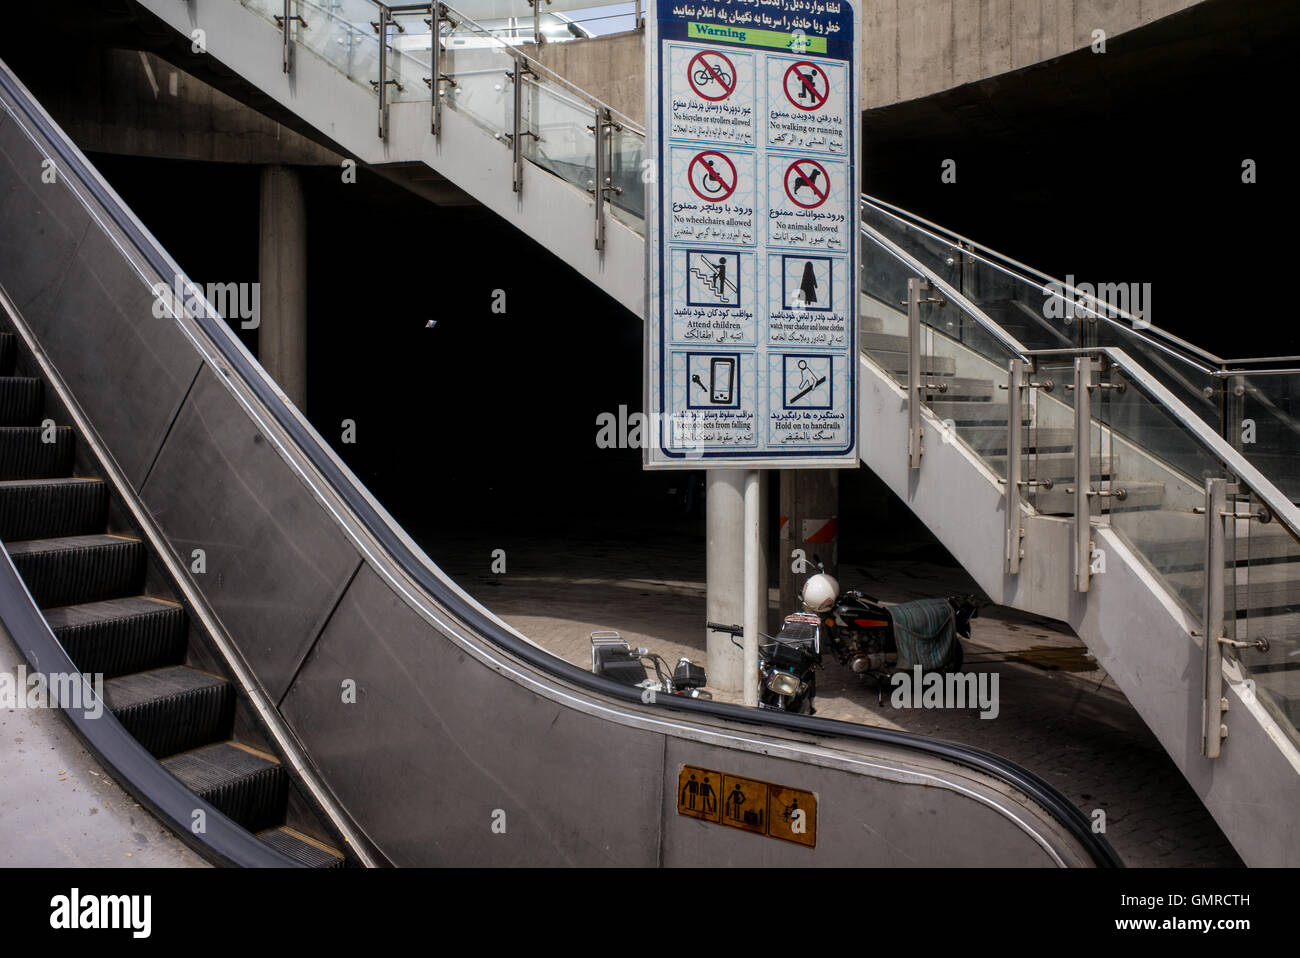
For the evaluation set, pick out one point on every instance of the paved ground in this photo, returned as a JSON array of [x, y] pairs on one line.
[[58, 808], [1060, 715]]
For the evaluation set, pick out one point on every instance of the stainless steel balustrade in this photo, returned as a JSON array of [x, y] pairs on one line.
[[1179, 386]]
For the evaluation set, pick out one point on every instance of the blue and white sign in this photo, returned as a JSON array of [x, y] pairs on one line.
[[751, 233]]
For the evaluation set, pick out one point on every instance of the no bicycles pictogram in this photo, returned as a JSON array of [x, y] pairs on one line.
[[712, 176], [712, 76], [807, 184], [806, 85]]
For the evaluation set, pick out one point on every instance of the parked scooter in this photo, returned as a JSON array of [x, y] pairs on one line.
[[614, 658], [787, 662]]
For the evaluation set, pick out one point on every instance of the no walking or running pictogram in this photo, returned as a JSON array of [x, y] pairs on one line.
[[807, 184], [712, 176], [712, 75], [806, 85]]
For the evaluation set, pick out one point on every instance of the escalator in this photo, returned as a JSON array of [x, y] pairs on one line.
[[316, 687], [108, 605], [1065, 465]]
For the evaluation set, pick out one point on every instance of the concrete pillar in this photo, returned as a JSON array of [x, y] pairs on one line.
[[724, 558], [282, 273], [810, 507]]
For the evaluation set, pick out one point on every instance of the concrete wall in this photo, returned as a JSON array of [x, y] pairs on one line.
[[135, 103], [612, 68], [911, 48]]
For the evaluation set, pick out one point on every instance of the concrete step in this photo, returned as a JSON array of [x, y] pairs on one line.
[[887, 342], [896, 362], [992, 440], [1057, 466], [965, 413]]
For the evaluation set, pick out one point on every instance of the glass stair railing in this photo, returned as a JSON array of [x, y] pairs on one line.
[[1079, 409]]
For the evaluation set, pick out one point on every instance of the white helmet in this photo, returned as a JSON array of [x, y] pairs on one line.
[[819, 593]]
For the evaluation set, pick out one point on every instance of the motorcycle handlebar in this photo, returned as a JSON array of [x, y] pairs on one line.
[[733, 629]]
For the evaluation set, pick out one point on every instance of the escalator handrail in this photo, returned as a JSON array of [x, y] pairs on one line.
[[396, 549]]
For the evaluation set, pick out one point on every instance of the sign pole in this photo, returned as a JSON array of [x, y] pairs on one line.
[[755, 581]]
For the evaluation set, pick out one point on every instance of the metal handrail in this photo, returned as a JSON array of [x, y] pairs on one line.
[[992, 328], [534, 65], [1282, 507], [997, 260], [1247, 473]]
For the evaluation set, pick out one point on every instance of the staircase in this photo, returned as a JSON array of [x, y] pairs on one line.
[[104, 603], [1065, 464]]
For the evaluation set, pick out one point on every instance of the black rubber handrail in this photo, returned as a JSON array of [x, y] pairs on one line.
[[345, 486], [223, 841]]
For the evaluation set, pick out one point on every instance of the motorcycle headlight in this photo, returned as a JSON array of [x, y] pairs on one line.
[[783, 683]]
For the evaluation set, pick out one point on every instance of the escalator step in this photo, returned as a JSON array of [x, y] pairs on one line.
[[8, 351], [120, 635], [20, 400], [302, 848], [49, 508], [24, 454], [78, 569], [248, 786], [172, 709]]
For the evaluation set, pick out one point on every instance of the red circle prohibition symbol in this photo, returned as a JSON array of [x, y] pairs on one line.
[[722, 184], [807, 175], [700, 72], [806, 87]]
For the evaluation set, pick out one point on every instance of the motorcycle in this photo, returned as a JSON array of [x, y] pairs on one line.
[[872, 639], [787, 662], [614, 658], [875, 640]]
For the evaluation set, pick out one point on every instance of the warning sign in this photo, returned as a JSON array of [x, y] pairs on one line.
[[712, 176], [711, 98], [793, 814], [807, 184], [697, 793], [753, 251], [807, 106], [806, 85], [712, 195], [711, 75], [777, 811]]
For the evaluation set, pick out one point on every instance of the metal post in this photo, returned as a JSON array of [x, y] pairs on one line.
[[537, 23], [602, 173], [435, 82], [755, 582], [385, 15], [1083, 369], [636, 22], [914, 435], [284, 41], [1015, 443], [1213, 730], [517, 139], [724, 506]]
